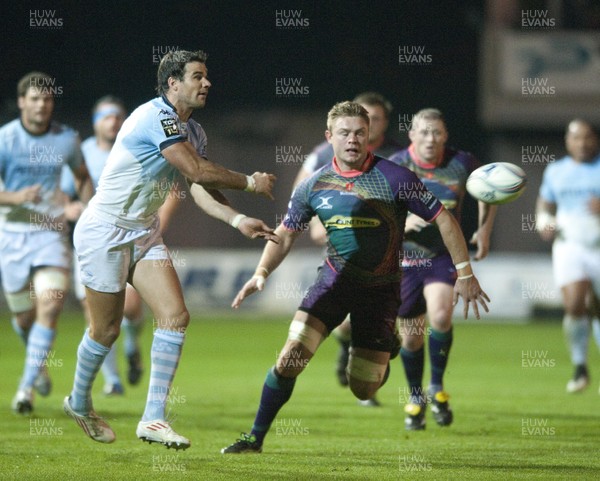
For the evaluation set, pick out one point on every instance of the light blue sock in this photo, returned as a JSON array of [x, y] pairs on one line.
[[22, 333], [39, 344], [110, 370], [90, 356], [577, 331], [131, 334], [596, 330], [165, 354]]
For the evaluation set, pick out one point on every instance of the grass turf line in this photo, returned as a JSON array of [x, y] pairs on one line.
[[513, 419]]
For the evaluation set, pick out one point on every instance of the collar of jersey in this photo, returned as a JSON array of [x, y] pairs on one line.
[[166, 100], [422, 163], [366, 165]]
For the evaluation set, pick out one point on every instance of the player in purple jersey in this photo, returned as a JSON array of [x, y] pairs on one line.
[[428, 271], [362, 200], [34, 252], [379, 143], [568, 213]]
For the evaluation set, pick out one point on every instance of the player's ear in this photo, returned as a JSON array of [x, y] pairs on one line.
[[21, 102], [171, 81], [328, 136]]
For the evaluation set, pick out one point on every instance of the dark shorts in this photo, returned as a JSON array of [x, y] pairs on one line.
[[372, 309], [415, 278]]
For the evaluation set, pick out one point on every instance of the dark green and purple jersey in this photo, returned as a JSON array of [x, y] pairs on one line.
[[364, 214], [447, 180]]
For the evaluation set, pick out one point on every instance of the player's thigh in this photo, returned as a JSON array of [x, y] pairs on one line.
[[373, 317], [439, 298], [158, 285], [569, 263], [134, 307], [328, 299]]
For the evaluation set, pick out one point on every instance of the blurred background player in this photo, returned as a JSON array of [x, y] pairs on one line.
[[108, 115], [118, 240], [428, 272], [379, 109], [367, 201], [34, 250], [568, 212]]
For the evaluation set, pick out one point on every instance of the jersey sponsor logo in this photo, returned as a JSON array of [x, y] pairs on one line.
[[324, 203], [345, 222], [170, 127]]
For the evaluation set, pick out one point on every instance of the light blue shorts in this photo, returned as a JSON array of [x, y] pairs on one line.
[[107, 253], [22, 252]]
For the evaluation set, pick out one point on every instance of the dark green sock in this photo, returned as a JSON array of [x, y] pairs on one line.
[[276, 392], [439, 350], [413, 362]]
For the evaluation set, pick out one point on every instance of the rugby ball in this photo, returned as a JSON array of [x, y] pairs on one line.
[[497, 183]]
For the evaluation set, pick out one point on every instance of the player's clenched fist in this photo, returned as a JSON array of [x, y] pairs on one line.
[[263, 183]]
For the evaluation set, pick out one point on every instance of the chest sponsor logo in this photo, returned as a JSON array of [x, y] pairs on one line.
[[345, 222], [324, 203], [170, 127]]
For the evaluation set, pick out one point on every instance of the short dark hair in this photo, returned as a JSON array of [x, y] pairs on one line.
[[173, 65], [32, 79], [374, 98], [346, 109]]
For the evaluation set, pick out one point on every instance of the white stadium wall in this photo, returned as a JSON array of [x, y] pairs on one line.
[[516, 283]]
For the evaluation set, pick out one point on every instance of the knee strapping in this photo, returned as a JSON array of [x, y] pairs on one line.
[[365, 370], [308, 336]]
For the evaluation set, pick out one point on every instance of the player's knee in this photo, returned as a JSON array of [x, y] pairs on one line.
[[441, 322], [176, 321], [575, 308], [49, 305], [363, 390], [412, 343], [105, 335], [365, 376]]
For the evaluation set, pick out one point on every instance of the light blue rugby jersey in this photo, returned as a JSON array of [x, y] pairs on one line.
[[95, 160], [137, 178], [27, 159], [570, 185]]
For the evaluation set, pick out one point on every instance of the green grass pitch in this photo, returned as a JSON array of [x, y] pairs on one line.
[[513, 419]]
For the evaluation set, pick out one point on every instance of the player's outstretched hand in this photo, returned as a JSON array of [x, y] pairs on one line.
[[73, 210], [30, 194], [483, 245], [415, 223], [470, 291], [263, 184], [257, 283], [254, 228]]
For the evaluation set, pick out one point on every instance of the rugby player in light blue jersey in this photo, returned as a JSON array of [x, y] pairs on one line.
[[568, 212], [118, 238], [362, 200], [34, 250], [108, 115]]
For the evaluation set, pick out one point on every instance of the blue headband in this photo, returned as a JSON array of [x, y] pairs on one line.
[[105, 112]]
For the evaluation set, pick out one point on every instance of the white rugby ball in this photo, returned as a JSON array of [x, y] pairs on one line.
[[497, 183]]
